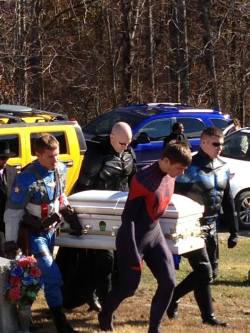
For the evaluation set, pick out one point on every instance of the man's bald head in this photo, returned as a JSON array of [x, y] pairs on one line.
[[121, 136]]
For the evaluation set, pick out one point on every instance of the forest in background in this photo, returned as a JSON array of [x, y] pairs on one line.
[[82, 57]]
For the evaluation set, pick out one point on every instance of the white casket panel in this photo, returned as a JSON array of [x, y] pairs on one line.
[[100, 215]]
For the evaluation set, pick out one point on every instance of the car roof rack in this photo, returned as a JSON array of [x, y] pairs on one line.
[[16, 112]]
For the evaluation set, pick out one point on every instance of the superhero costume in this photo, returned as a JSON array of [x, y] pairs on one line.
[[207, 182], [39, 193], [103, 169], [140, 237]]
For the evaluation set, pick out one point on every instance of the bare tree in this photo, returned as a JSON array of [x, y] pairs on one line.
[[208, 50]]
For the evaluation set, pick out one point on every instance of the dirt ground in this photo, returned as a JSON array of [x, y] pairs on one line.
[[231, 295]]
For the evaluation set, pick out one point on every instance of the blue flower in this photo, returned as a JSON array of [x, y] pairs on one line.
[[16, 271], [27, 281]]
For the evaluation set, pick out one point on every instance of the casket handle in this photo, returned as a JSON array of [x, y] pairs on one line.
[[86, 228]]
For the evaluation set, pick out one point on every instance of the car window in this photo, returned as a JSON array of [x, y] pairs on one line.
[[104, 123], [192, 126], [157, 129], [13, 140], [60, 136], [237, 146], [221, 123]]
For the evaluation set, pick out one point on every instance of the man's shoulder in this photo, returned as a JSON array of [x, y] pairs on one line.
[[98, 145]]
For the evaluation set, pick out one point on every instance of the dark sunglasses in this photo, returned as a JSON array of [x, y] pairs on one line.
[[217, 144], [123, 144]]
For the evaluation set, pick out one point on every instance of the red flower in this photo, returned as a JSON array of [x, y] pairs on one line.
[[15, 281], [23, 262], [32, 261], [35, 272], [14, 294]]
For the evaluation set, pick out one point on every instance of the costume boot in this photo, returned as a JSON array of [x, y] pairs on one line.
[[204, 300], [183, 288], [172, 310], [60, 321], [105, 321], [94, 303]]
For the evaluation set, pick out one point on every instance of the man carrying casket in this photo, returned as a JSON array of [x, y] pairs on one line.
[[207, 182]]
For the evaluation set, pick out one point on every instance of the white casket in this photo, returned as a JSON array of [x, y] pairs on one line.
[[100, 215]]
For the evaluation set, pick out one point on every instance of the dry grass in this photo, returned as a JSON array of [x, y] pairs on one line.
[[231, 293]]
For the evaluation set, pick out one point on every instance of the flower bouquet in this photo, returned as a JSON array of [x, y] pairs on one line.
[[22, 287]]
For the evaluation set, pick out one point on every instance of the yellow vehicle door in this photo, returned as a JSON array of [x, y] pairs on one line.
[[70, 152]]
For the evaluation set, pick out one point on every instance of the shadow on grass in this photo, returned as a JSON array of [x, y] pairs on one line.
[[44, 323], [245, 283]]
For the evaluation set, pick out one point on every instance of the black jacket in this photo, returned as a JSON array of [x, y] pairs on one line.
[[104, 169]]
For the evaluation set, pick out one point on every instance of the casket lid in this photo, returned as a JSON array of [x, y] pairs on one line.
[[112, 202]]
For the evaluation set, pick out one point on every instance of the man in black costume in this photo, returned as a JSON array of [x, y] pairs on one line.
[[207, 182], [109, 164]]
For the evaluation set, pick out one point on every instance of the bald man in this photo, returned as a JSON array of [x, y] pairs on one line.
[[109, 164]]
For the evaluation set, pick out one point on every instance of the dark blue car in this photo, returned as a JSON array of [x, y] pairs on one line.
[[152, 122]]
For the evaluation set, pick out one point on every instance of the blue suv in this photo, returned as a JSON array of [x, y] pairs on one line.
[[152, 122]]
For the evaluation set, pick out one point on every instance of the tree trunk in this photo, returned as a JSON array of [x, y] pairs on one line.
[[20, 74], [179, 48], [35, 59], [209, 55], [151, 53]]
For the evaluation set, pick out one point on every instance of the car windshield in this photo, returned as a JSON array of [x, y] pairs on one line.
[[104, 123], [237, 146]]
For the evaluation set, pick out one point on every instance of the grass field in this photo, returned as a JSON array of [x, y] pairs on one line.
[[231, 294]]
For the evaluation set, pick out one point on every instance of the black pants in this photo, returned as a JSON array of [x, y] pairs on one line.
[[205, 266], [212, 245], [84, 271], [102, 264], [155, 252]]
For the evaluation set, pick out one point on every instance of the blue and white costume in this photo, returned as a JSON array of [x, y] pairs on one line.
[[40, 192]]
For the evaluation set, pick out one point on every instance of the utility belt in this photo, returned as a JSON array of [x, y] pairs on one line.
[[37, 225], [208, 225]]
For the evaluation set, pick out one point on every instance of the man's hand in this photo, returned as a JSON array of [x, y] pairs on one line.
[[11, 249], [71, 217], [232, 241]]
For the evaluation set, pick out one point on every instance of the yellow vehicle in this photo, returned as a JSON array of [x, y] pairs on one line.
[[21, 125]]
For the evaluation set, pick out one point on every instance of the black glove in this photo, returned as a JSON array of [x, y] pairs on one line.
[[232, 241], [70, 216], [36, 225], [11, 249], [50, 220]]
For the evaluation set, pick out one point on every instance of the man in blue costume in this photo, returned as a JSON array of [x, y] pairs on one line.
[[140, 236], [36, 202], [207, 182]]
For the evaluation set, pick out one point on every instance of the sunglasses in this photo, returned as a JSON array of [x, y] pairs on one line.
[[217, 144], [123, 144]]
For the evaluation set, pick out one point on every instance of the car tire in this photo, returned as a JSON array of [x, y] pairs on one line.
[[242, 205]]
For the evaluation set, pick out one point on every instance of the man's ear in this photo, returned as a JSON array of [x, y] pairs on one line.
[[166, 160]]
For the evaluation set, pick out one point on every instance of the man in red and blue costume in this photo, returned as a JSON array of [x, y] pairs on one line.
[[140, 237], [36, 203]]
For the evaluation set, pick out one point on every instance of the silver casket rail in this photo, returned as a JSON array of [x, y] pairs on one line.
[[100, 212]]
